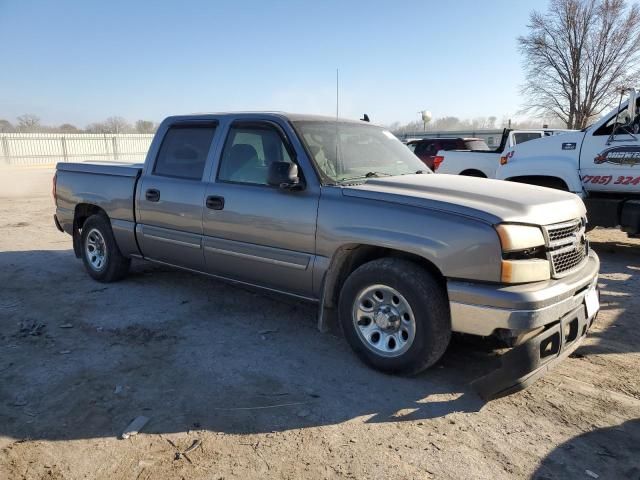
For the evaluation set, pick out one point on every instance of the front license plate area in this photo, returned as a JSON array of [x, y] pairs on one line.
[[592, 302]]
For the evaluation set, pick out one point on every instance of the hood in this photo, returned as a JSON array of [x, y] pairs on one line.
[[493, 201]]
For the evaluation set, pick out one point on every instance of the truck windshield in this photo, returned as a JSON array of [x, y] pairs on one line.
[[346, 152]]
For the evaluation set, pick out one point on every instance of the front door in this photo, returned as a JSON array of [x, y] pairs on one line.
[[611, 162], [171, 197], [254, 232]]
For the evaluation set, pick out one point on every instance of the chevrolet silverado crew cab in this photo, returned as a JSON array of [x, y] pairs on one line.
[[333, 212], [600, 163]]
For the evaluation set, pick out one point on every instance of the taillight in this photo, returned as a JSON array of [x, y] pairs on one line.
[[53, 188], [504, 160], [437, 160]]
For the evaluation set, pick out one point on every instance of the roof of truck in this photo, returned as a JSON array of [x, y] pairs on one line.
[[436, 139], [294, 117]]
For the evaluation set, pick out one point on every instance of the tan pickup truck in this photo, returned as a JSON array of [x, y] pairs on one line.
[[340, 213]]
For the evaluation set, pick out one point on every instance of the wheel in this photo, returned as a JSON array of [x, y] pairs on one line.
[[100, 253], [395, 316]]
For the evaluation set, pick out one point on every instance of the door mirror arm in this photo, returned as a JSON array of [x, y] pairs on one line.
[[284, 175], [294, 187]]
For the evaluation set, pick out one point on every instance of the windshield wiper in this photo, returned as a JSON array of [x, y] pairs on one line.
[[366, 175], [376, 174]]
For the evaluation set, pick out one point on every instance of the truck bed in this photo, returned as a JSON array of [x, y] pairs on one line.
[[457, 161], [102, 168], [109, 186]]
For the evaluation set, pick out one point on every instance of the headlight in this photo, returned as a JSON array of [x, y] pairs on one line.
[[519, 237], [523, 251], [525, 271]]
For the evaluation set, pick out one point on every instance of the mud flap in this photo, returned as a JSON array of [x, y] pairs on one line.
[[77, 243], [524, 364]]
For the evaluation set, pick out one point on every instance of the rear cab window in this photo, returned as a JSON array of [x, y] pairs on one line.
[[184, 151], [447, 145], [522, 137], [479, 145]]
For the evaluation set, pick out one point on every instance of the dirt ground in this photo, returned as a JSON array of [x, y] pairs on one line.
[[268, 396]]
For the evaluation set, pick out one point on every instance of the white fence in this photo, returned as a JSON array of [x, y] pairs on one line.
[[22, 149]]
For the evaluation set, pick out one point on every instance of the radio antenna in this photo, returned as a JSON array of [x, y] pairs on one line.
[[337, 140], [337, 92]]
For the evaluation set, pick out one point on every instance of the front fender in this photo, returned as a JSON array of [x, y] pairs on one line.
[[457, 245], [547, 166]]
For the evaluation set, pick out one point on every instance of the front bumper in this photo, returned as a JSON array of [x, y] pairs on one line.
[[523, 365], [557, 313], [482, 309]]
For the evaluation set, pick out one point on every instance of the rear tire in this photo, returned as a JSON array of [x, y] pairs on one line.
[[395, 316], [100, 253]]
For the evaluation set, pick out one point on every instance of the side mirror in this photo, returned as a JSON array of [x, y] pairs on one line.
[[631, 107], [284, 175]]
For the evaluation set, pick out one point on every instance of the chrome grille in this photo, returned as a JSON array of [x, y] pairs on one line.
[[567, 246]]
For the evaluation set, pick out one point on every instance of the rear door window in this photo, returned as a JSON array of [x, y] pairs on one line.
[[184, 151]]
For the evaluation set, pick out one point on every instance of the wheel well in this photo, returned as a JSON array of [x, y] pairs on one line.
[[348, 258], [541, 181], [472, 172], [84, 211]]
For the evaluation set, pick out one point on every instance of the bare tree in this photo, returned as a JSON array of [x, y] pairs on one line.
[[145, 126], [577, 54], [116, 125], [5, 126], [96, 127], [67, 128], [28, 122]]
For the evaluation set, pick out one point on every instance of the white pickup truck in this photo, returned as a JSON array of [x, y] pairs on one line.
[[600, 163], [483, 163]]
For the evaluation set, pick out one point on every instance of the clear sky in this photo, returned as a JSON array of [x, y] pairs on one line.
[[82, 61]]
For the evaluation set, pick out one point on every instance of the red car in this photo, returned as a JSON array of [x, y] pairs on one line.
[[426, 148]]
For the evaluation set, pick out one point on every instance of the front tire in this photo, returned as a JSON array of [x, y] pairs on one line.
[[395, 316], [100, 253]]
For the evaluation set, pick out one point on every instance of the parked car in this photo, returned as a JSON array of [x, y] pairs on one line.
[[601, 164], [484, 162], [333, 212], [426, 149]]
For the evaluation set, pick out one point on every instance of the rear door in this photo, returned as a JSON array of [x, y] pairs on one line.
[[254, 232], [170, 198]]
